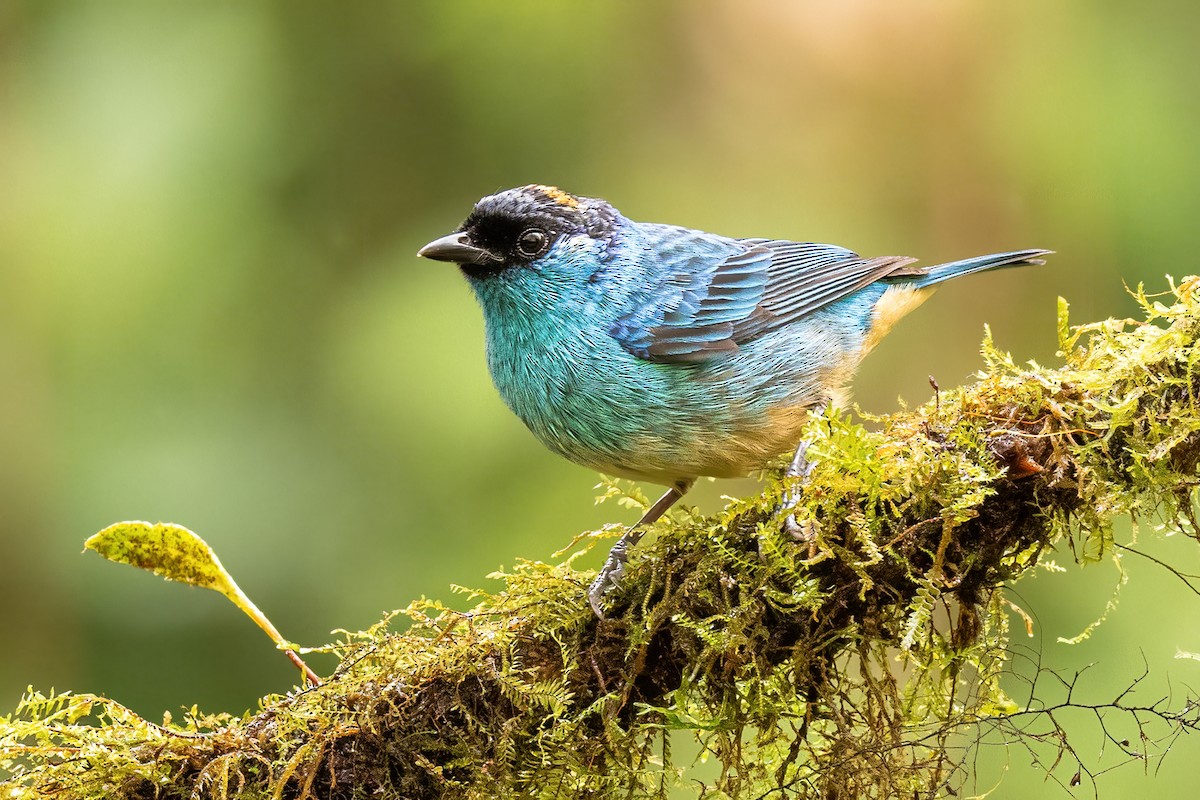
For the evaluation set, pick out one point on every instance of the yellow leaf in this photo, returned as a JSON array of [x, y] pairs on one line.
[[177, 554], [165, 549]]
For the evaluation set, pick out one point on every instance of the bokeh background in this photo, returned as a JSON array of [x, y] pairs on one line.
[[211, 311]]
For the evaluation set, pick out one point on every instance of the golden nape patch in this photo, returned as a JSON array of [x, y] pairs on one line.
[[557, 195], [897, 301]]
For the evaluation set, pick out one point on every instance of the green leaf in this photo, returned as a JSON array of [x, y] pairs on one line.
[[1063, 318], [169, 550]]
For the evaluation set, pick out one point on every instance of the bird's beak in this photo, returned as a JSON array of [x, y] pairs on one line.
[[457, 249]]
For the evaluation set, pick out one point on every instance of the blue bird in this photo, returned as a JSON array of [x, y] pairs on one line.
[[660, 353]]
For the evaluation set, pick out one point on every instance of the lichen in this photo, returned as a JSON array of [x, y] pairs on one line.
[[845, 662]]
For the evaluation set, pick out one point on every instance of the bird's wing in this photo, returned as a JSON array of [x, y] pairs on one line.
[[707, 306]]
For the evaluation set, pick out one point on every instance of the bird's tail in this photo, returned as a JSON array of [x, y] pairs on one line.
[[922, 277]]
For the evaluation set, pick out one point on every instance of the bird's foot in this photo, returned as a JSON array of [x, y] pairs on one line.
[[608, 578], [798, 532], [800, 469]]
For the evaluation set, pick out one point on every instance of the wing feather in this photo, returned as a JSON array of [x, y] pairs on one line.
[[711, 303]]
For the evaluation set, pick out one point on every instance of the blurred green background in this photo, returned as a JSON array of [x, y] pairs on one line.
[[211, 311]]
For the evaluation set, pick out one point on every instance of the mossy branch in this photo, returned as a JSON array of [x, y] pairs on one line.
[[846, 663]]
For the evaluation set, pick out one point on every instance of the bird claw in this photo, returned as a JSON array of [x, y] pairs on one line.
[[794, 529], [607, 579], [804, 533]]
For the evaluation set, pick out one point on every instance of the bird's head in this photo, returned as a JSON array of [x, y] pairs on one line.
[[524, 227]]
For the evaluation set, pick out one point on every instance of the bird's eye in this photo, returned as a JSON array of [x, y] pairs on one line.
[[531, 242]]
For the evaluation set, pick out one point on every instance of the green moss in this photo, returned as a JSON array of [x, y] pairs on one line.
[[842, 664]]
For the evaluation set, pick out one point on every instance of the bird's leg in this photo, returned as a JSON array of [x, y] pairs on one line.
[[610, 574], [800, 469]]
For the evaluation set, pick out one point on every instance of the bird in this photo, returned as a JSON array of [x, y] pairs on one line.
[[661, 353]]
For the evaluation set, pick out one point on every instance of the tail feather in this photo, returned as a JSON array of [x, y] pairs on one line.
[[921, 277]]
